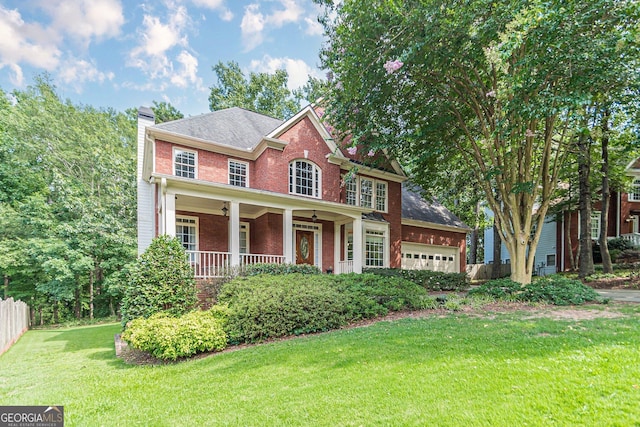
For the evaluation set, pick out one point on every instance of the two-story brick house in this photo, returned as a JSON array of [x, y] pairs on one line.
[[239, 187]]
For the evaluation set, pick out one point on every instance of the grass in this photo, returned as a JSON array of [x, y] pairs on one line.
[[447, 371]]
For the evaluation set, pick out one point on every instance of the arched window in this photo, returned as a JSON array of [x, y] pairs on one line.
[[304, 178]]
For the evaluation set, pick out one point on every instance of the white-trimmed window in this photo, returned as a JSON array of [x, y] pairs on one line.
[[238, 173], [374, 248], [366, 192], [351, 191], [634, 194], [244, 237], [304, 178], [187, 232], [184, 163], [595, 225]]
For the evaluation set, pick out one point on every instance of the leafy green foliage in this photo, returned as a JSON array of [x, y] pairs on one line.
[[169, 338], [553, 289], [269, 306], [277, 269], [262, 92], [160, 280], [430, 280]]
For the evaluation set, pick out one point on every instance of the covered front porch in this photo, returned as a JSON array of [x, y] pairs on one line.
[[225, 228]]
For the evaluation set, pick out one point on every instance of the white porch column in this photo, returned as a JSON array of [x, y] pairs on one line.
[[170, 214], [234, 232], [336, 246], [358, 246], [287, 236]]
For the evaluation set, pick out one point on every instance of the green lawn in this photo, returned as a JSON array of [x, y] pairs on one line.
[[457, 370]]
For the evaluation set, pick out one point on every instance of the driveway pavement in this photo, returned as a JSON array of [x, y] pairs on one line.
[[620, 294]]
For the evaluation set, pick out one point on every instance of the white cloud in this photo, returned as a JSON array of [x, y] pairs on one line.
[[298, 70], [314, 28], [76, 72], [157, 39], [252, 27], [85, 19], [187, 72], [22, 42], [255, 23], [225, 14]]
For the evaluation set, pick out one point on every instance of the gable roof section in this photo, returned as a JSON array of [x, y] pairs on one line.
[[416, 208], [234, 127]]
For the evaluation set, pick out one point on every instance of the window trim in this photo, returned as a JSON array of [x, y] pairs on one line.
[[634, 194], [245, 226], [386, 250], [196, 225], [595, 218], [374, 192], [175, 152], [316, 180], [246, 176], [546, 259]]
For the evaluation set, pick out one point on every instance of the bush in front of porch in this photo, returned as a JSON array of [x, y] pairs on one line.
[[428, 279], [270, 306]]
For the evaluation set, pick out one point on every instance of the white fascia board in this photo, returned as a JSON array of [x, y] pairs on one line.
[[267, 199], [632, 171], [202, 144], [434, 226], [347, 164]]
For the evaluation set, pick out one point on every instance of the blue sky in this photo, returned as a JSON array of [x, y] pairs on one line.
[[123, 53]]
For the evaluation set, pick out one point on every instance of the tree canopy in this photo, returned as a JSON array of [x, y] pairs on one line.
[[500, 85]]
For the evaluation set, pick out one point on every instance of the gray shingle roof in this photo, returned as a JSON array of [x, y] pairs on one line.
[[234, 126], [414, 206]]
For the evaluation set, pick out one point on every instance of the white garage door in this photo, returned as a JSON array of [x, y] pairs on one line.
[[416, 256]]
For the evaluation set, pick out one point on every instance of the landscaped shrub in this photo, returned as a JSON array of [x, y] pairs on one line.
[[255, 269], [169, 338], [430, 280], [160, 280], [620, 244], [270, 306], [558, 290], [499, 288], [371, 295], [553, 289]]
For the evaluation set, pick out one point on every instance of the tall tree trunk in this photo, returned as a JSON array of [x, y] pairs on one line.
[[496, 270], [607, 266], [6, 286], [475, 236], [569, 241], [56, 306], [91, 276], [78, 303], [584, 207]]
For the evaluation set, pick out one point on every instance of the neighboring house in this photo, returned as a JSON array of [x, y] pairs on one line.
[[553, 251], [239, 187]]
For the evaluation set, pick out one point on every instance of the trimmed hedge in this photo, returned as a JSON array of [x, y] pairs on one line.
[[256, 269], [552, 289], [430, 280], [268, 306], [170, 338]]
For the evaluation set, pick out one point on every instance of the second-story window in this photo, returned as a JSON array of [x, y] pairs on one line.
[[634, 194], [238, 173], [366, 192], [184, 163], [304, 178]]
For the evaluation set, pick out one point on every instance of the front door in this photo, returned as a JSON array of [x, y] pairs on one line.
[[304, 247]]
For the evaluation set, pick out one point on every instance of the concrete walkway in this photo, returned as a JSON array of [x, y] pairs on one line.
[[626, 295]]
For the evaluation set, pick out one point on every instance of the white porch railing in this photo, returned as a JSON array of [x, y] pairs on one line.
[[209, 264], [345, 267], [634, 238]]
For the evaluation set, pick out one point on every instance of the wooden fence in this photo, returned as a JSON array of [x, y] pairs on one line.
[[483, 271], [14, 321]]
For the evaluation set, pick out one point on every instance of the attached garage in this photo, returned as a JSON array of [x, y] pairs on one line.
[[416, 256]]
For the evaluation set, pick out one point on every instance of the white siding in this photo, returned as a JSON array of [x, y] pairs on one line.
[[146, 217]]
